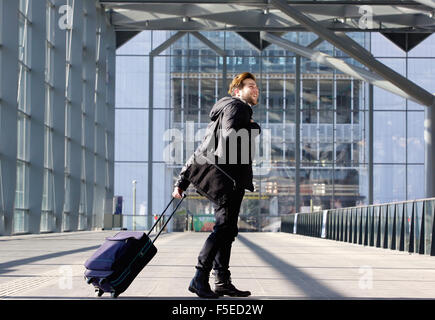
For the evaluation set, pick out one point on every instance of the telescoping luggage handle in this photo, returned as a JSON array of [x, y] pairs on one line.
[[155, 224]]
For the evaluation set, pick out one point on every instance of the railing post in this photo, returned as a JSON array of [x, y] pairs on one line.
[[364, 225], [411, 247], [431, 211], [378, 226], [393, 219], [371, 229]]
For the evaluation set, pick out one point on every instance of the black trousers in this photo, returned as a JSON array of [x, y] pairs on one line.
[[216, 250]]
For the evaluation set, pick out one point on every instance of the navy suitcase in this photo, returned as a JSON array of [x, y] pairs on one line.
[[114, 266]]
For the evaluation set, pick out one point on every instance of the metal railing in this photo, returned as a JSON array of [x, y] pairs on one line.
[[404, 226]]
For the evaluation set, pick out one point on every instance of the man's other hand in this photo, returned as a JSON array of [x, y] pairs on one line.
[[178, 193]]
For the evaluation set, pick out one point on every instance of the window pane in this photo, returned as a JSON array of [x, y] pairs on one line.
[[131, 135], [276, 100], [139, 44], [316, 189], [384, 100], [132, 82], [389, 137], [349, 187], [21, 191], [415, 137], [426, 48], [344, 101], [21, 221], [125, 173], [191, 100], [420, 71], [389, 183], [309, 101], [22, 137], [23, 81], [381, 46], [208, 97], [415, 182]]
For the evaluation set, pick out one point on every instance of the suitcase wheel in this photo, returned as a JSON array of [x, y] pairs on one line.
[[89, 281], [114, 295], [99, 292], [101, 282]]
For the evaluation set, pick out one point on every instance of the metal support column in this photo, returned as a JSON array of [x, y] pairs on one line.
[[37, 101], [110, 116], [154, 53], [89, 106], [58, 133], [99, 191], [150, 141], [298, 133], [8, 111], [370, 145], [429, 140], [76, 89]]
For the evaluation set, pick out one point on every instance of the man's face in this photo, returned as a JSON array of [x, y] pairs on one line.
[[249, 92]]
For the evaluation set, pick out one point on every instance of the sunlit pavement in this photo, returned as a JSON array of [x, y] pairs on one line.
[[270, 265]]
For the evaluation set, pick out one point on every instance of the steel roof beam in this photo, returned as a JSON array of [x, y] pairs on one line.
[[353, 49], [167, 43], [238, 16], [429, 3], [208, 43], [335, 63]]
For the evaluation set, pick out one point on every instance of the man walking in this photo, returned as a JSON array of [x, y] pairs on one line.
[[223, 182]]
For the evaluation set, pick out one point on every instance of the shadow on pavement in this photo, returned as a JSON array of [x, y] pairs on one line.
[[311, 287]]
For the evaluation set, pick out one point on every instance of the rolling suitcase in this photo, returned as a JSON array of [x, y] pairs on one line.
[[117, 262]]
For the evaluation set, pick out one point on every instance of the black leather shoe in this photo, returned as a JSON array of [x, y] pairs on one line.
[[200, 285], [223, 286]]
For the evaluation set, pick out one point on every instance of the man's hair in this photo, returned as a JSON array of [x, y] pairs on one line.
[[237, 82]]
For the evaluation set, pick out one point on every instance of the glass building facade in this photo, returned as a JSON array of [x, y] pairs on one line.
[[57, 62], [75, 115], [330, 125]]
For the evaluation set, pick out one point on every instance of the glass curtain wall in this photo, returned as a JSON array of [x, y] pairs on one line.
[[398, 123], [21, 212], [333, 160], [59, 160], [47, 212], [188, 81]]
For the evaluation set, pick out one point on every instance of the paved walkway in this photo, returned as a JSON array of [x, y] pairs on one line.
[[270, 265]]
